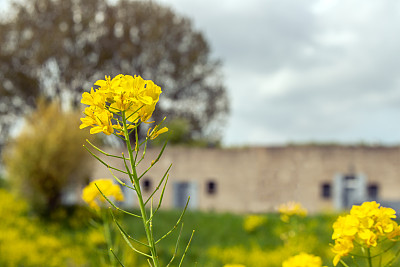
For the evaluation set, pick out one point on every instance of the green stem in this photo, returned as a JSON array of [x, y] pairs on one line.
[[343, 263], [148, 230], [369, 257], [107, 234]]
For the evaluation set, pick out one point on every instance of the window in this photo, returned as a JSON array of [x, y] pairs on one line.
[[349, 177], [146, 185], [211, 187], [326, 190], [372, 190]]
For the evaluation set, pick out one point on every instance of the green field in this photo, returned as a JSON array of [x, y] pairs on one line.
[[74, 237]]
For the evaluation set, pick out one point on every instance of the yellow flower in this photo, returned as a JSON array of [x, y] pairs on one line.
[[252, 222], [345, 226], [365, 225], [303, 260], [156, 132], [93, 99], [91, 194], [291, 208], [124, 94], [368, 237], [342, 248], [367, 209], [99, 120]]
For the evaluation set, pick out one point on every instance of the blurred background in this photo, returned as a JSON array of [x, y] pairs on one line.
[[266, 102]]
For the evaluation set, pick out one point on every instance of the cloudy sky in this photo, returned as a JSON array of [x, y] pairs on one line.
[[305, 70]]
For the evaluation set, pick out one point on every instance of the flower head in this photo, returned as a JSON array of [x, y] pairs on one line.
[[124, 95], [366, 225], [303, 260], [92, 196], [291, 208], [253, 222]]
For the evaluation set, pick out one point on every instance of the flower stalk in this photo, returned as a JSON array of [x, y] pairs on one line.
[[117, 108], [134, 177]]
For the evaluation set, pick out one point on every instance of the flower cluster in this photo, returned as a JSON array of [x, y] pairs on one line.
[[131, 97], [366, 225], [92, 195], [303, 260], [253, 222], [291, 208]]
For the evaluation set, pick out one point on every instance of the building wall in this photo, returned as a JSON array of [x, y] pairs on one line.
[[258, 179]]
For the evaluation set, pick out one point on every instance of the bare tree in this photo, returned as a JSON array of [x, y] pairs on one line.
[[59, 48]]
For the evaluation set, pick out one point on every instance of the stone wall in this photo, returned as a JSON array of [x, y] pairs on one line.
[[258, 179]]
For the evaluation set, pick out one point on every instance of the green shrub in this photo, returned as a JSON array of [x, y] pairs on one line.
[[47, 157]]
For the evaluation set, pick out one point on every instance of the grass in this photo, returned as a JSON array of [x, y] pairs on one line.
[[219, 238], [74, 237]]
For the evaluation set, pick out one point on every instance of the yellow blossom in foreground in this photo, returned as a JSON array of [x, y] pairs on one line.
[[366, 225], [345, 226], [156, 132], [291, 208], [303, 260], [92, 195], [124, 95], [342, 248]]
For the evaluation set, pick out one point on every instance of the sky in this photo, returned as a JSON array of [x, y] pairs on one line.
[[301, 71]]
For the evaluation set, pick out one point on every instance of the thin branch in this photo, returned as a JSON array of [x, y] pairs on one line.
[[144, 151], [105, 164], [103, 152], [177, 223], [115, 207], [186, 249], [159, 184], [121, 182], [136, 145], [130, 244], [155, 161], [133, 129], [125, 233], [159, 202], [119, 261], [176, 247], [128, 170]]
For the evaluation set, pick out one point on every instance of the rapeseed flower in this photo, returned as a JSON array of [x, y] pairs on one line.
[[303, 260], [366, 225], [291, 208], [253, 222], [130, 97], [92, 196]]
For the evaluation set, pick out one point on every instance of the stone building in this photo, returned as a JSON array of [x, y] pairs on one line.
[[258, 179]]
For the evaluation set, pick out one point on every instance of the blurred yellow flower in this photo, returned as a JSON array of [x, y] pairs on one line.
[[303, 260], [252, 222], [92, 196], [234, 265], [291, 208]]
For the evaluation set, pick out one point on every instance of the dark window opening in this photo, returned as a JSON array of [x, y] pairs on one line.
[[211, 187], [349, 177], [372, 191], [146, 185], [326, 190]]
